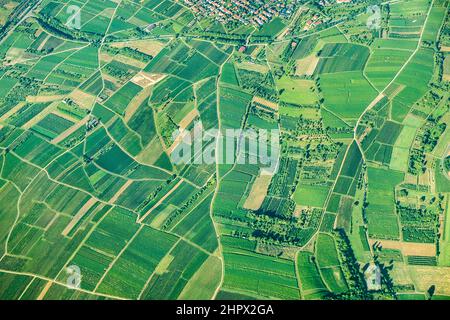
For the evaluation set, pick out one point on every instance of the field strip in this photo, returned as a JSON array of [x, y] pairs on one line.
[[407, 248], [135, 103], [190, 211], [337, 116], [41, 115], [258, 192], [69, 131], [12, 111], [120, 191], [179, 139], [160, 201], [26, 288], [130, 155], [45, 290], [60, 283], [42, 99], [297, 275], [186, 121], [82, 243], [85, 208], [328, 198], [156, 268], [265, 102], [397, 74], [117, 258], [43, 43]]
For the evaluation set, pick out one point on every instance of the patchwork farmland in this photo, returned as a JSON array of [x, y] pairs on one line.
[[98, 99]]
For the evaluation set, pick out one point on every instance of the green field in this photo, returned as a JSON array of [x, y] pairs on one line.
[[312, 147]]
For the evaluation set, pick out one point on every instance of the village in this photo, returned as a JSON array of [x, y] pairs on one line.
[[255, 12]]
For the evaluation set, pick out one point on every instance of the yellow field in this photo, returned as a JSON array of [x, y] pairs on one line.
[[408, 248], [258, 192]]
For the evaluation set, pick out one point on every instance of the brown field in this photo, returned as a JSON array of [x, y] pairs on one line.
[[130, 61], [120, 191], [258, 192], [42, 99], [83, 99], [409, 178], [151, 153], [44, 291], [307, 66], [85, 208], [253, 67], [145, 79], [408, 248], [267, 103], [150, 47], [71, 130], [136, 103], [446, 75], [187, 120], [105, 57], [426, 276]]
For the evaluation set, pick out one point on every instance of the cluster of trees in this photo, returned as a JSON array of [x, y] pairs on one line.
[[447, 164], [23, 8], [286, 178], [357, 286], [258, 84], [53, 26], [166, 127], [232, 38], [277, 230], [418, 224], [25, 87], [428, 139], [117, 73], [129, 52], [189, 203]]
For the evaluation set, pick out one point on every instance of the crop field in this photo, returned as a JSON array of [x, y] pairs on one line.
[[346, 94], [314, 196], [342, 57], [197, 150], [384, 64], [297, 91], [311, 282], [381, 212]]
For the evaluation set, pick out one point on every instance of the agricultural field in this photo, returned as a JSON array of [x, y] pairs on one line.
[[202, 150]]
